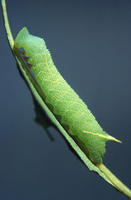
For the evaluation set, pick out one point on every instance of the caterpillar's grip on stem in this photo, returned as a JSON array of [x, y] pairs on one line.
[[38, 94], [61, 99]]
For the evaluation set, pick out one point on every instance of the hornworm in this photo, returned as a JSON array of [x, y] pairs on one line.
[[71, 112], [63, 106]]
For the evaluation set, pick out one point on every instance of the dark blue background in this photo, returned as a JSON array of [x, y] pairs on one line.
[[90, 42]]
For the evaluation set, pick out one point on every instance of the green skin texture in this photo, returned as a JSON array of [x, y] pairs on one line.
[[72, 113]]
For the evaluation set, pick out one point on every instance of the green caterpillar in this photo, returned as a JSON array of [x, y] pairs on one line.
[[71, 112]]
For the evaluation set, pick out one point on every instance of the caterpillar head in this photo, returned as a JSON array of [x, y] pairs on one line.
[[28, 42]]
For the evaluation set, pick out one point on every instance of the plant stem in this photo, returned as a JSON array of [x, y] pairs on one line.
[[6, 24], [114, 180]]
